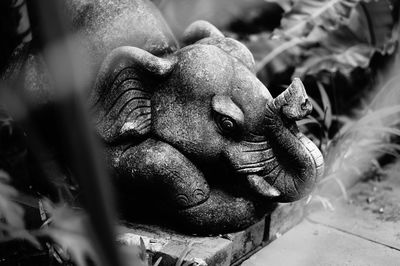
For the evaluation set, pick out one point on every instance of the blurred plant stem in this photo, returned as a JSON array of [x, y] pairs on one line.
[[83, 152]]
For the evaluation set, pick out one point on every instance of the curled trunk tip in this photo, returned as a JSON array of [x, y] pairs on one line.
[[293, 103]]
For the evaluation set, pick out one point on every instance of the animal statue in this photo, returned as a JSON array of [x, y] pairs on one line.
[[189, 131]]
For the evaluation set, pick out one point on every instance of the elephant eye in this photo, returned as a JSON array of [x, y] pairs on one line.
[[226, 124]]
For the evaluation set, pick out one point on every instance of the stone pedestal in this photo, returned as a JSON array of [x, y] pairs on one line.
[[224, 250]]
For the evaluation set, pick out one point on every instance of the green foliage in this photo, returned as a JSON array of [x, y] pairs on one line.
[[70, 230], [11, 213], [12, 224], [182, 256], [358, 144], [315, 37], [323, 117], [305, 15], [286, 5], [331, 35], [66, 233]]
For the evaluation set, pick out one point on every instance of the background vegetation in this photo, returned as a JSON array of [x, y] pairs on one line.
[[345, 51]]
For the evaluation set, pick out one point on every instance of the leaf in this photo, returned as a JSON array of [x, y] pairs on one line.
[[189, 262], [317, 107], [69, 229], [158, 261], [286, 5], [277, 54], [326, 203], [343, 119], [378, 115], [142, 254], [388, 94], [10, 211], [360, 143], [333, 36], [342, 188], [309, 120], [183, 254], [278, 50], [376, 26], [307, 14], [12, 214], [131, 255], [326, 104], [18, 233], [345, 61], [369, 29]]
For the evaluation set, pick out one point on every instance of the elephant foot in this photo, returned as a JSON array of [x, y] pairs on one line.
[[221, 213]]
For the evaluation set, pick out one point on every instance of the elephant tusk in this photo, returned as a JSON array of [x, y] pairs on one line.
[[259, 184]]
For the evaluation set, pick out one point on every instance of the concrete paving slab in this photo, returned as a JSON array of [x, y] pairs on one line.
[[372, 212], [310, 244]]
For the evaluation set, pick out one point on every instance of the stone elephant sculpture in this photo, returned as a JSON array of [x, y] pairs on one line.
[[196, 123], [190, 133]]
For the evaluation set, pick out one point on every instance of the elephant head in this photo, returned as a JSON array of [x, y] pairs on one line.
[[205, 101]]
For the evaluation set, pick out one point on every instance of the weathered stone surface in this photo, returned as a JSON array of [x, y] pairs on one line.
[[206, 135], [312, 244], [170, 245], [191, 125], [283, 218], [245, 241], [205, 251], [220, 250], [233, 246]]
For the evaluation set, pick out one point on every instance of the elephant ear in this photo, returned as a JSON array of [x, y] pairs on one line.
[[203, 32], [200, 29], [121, 97]]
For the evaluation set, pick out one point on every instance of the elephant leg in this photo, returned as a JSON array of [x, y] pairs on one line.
[[161, 167]]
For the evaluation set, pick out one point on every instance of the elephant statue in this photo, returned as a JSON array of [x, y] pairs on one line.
[[190, 134]]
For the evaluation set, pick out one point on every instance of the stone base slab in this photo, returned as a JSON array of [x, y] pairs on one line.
[[222, 250]]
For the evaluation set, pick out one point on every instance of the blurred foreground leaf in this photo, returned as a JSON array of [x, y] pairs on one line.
[[12, 224], [10, 212], [69, 229]]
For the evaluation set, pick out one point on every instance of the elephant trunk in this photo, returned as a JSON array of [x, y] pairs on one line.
[[293, 103], [300, 161]]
